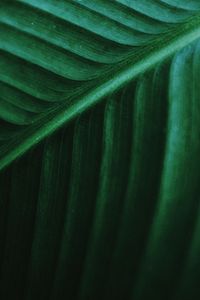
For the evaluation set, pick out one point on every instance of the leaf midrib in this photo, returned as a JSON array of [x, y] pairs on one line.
[[133, 67]]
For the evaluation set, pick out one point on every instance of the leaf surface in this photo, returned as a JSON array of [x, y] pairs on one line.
[[59, 58], [105, 96]]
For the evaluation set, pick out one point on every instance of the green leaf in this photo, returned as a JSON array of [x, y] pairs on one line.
[[59, 58], [105, 96]]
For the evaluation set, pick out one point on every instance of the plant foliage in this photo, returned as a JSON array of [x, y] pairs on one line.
[[104, 98]]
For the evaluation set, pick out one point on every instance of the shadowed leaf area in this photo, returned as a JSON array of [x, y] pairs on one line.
[[99, 149]]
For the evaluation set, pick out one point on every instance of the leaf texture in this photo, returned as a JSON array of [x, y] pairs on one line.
[[55, 55], [106, 207]]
